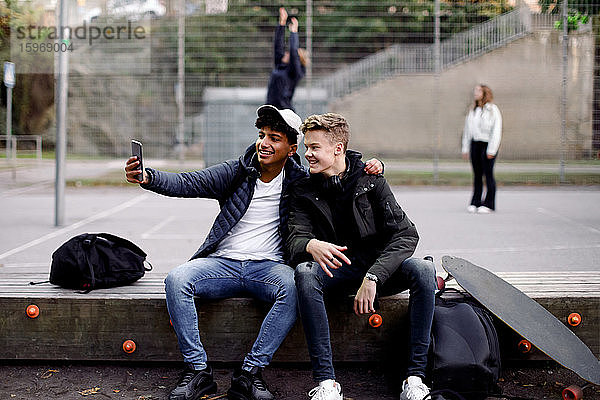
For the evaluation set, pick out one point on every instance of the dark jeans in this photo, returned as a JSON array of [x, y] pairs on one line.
[[483, 166], [414, 274]]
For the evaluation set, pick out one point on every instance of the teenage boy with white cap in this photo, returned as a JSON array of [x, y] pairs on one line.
[[243, 254]]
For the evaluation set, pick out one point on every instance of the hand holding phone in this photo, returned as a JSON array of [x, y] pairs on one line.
[[136, 151]]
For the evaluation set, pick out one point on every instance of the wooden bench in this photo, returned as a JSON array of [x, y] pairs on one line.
[[94, 326]]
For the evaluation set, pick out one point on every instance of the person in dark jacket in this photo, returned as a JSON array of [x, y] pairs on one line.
[[290, 66], [347, 234], [243, 254]]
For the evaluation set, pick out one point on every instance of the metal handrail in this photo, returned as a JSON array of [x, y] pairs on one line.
[[15, 138], [420, 58]]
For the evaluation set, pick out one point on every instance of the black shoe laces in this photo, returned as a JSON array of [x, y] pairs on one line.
[[259, 383], [186, 377]]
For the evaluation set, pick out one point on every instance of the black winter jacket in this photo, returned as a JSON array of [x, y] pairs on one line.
[[377, 215], [232, 183]]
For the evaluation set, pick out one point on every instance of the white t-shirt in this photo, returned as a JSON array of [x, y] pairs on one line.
[[256, 236]]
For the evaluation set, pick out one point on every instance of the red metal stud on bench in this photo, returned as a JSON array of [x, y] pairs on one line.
[[524, 346], [574, 319], [32, 311], [129, 346], [375, 320]]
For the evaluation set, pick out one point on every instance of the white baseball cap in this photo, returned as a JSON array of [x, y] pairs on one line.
[[288, 116]]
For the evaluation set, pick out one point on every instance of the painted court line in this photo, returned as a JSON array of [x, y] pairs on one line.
[[157, 227], [24, 265], [555, 215], [29, 188], [76, 225]]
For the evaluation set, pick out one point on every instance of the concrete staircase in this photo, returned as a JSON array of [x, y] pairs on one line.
[[423, 58]]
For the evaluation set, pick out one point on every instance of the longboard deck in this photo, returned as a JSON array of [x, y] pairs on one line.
[[526, 317]]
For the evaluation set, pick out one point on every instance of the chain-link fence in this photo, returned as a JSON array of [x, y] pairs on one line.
[[402, 72]]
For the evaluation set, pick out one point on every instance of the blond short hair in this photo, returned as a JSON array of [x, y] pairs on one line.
[[334, 125]]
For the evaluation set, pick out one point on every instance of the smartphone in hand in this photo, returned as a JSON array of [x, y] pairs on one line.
[[136, 151]]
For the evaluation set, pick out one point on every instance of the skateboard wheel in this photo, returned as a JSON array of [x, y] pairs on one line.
[[574, 319], [32, 311], [129, 346], [572, 393], [441, 283], [375, 320], [524, 346]]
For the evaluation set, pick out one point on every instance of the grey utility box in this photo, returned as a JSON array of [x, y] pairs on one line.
[[230, 113]]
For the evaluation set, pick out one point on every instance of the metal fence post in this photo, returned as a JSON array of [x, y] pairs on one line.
[[436, 94], [62, 82], [180, 88], [563, 100], [38, 148], [8, 121]]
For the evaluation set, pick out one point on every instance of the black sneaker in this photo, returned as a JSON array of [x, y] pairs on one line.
[[249, 385], [194, 384]]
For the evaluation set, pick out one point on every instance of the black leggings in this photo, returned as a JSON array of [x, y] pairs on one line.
[[483, 166]]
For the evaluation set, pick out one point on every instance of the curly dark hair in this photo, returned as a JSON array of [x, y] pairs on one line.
[[277, 124]]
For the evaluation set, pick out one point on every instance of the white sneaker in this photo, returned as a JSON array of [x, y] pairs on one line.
[[327, 390], [471, 209], [484, 210], [413, 389]]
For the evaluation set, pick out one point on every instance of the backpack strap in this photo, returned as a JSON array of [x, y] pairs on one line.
[[111, 240], [38, 283], [87, 245]]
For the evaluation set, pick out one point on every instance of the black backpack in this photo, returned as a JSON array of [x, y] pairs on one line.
[[464, 356], [93, 261]]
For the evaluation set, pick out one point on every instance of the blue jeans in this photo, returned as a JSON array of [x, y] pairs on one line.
[[414, 274], [221, 278]]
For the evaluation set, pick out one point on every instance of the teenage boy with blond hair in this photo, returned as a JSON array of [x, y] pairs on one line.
[[348, 234]]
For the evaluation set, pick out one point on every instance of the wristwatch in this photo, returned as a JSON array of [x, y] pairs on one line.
[[372, 277]]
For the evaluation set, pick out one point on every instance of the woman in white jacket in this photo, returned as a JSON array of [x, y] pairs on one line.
[[481, 139]]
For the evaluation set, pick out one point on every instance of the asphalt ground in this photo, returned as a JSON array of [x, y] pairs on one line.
[[534, 229], [539, 229]]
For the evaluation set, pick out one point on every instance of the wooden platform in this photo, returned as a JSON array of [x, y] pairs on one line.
[[94, 326]]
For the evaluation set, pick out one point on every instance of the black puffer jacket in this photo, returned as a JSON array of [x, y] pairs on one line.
[[385, 235], [232, 183]]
